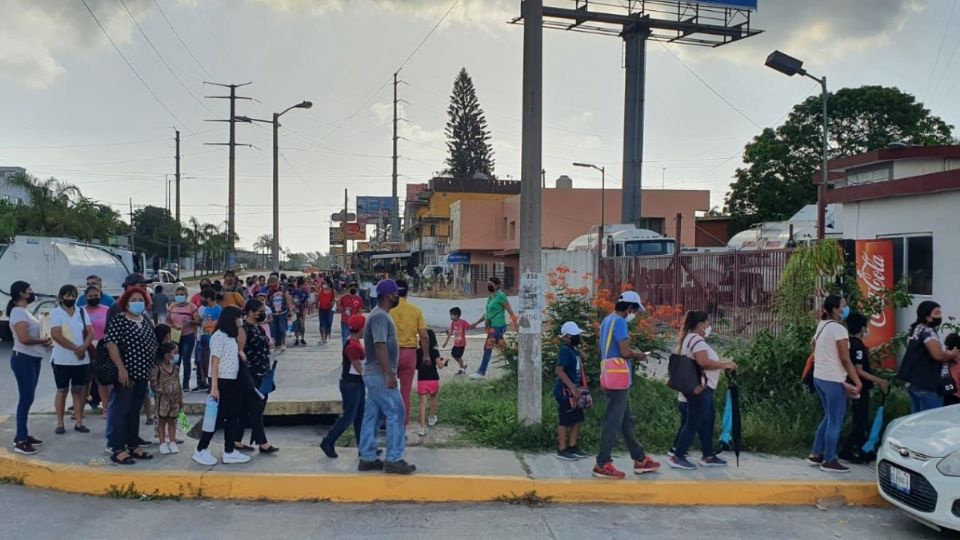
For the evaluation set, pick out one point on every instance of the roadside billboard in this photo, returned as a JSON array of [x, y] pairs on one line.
[[371, 208], [415, 189], [354, 231], [874, 260]]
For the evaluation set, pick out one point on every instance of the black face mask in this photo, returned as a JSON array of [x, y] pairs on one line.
[[491, 288], [574, 341], [32, 298], [68, 302], [353, 291], [261, 317], [935, 322], [394, 302], [93, 302]]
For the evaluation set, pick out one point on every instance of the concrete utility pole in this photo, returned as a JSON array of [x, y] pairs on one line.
[[395, 216], [633, 102], [232, 170], [177, 139], [529, 394], [343, 229]]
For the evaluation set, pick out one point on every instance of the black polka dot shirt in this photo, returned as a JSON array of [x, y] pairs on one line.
[[137, 343]]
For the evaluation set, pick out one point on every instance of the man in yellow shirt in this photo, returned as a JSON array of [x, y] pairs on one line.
[[411, 334]]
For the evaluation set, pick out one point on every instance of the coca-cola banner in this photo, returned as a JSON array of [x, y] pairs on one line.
[[874, 274]]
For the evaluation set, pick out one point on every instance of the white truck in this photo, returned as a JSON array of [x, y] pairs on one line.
[[625, 241], [49, 263]]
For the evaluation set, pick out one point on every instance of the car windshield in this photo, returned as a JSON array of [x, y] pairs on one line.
[[638, 248]]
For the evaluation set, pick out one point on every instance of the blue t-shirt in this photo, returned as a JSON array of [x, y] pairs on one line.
[[300, 298], [569, 360], [620, 332], [105, 300]]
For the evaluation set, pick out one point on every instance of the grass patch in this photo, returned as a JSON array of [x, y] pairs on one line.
[[529, 498], [130, 492], [11, 480]]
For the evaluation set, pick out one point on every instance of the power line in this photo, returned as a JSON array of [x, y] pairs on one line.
[[162, 59], [943, 39], [430, 33], [180, 39], [712, 89], [134, 70]]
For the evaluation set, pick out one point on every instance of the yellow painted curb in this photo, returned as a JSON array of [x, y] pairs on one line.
[[420, 488]]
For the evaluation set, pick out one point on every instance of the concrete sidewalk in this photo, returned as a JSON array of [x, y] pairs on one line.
[[77, 463]]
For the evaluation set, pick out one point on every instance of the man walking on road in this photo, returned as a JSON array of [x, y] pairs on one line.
[[614, 341], [411, 334], [380, 379]]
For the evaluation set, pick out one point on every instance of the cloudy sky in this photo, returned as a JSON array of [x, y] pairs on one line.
[[71, 107]]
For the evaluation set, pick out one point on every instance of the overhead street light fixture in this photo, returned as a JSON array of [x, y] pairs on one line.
[[790, 66]]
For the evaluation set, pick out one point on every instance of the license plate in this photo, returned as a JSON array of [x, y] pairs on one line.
[[900, 480]]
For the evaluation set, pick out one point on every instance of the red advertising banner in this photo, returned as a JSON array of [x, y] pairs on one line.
[[874, 274]]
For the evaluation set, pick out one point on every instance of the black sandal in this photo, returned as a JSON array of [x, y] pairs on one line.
[[269, 450], [141, 455], [242, 447], [125, 461]]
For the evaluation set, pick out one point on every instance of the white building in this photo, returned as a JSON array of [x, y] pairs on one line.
[[11, 193], [910, 195]]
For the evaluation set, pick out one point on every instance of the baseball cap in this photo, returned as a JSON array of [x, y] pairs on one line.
[[570, 328], [356, 323], [134, 279], [631, 297], [387, 286]]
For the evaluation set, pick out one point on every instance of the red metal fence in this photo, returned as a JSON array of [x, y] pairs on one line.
[[737, 289]]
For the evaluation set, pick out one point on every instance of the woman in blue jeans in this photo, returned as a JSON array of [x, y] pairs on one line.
[[925, 359], [494, 317], [28, 351], [352, 390], [700, 408], [831, 369]]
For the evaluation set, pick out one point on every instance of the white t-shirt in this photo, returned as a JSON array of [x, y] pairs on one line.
[[19, 315], [225, 348], [826, 359], [695, 343], [71, 328]]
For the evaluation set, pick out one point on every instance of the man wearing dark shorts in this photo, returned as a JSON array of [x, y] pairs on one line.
[[567, 390]]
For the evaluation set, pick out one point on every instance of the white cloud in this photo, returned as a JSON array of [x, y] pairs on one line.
[[36, 32], [468, 11]]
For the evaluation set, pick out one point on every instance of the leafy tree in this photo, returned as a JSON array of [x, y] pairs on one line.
[[468, 139], [782, 163]]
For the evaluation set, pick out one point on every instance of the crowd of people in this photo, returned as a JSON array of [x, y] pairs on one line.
[[137, 358]]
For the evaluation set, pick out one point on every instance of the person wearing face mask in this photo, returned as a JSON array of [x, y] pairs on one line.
[[132, 346], [184, 318], [925, 360], [282, 305], [350, 304], [697, 410], [256, 350], [96, 312], [197, 298], [495, 321], [326, 298], [567, 390], [618, 419], [852, 448], [831, 367], [106, 300], [72, 335], [28, 351]]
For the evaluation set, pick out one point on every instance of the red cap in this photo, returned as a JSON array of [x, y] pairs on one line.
[[356, 323]]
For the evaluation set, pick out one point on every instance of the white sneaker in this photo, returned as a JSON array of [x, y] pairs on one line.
[[432, 421], [204, 457], [174, 449], [164, 449], [422, 432], [477, 376], [235, 457]]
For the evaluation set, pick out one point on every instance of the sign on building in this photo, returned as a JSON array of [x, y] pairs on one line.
[[371, 209], [874, 275]]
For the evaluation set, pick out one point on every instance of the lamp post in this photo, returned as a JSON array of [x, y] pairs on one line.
[[603, 211], [791, 66], [275, 248]]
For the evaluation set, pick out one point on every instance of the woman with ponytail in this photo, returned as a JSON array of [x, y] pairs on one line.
[[697, 410], [831, 368]]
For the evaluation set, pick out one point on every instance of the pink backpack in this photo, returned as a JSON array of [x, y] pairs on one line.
[[615, 373]]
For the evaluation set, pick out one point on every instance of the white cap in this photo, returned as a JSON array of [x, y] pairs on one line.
[[570, 328], [631, 297]]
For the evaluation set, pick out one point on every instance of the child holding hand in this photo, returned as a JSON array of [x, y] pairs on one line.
[[428, 382], [165, 380]]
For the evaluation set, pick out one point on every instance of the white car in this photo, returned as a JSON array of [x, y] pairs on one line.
[[169, 281], [918, 466]]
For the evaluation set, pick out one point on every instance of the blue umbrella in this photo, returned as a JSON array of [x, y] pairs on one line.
[[726, 431], [876, 431]]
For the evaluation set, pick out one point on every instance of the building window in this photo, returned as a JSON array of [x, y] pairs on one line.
[[513, 230], [913, 259], [433, 230], [504, 228]]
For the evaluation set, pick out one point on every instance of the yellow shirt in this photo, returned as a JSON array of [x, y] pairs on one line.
[[409, 320]]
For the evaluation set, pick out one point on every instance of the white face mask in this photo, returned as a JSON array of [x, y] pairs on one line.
[[631, 316], [707, 331], [175, 360]]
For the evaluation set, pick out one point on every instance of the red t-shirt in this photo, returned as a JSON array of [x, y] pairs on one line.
[[459, 329], [325, 299], [350, 304], [353, 350]]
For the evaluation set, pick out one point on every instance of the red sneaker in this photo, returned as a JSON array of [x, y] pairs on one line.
[[608, 471], [645, 466]]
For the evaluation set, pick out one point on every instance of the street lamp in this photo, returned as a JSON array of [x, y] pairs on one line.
[[275, 251], [603, 211], [791, 66]]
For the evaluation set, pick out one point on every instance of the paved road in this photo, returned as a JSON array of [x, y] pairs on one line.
[[42, 514]]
